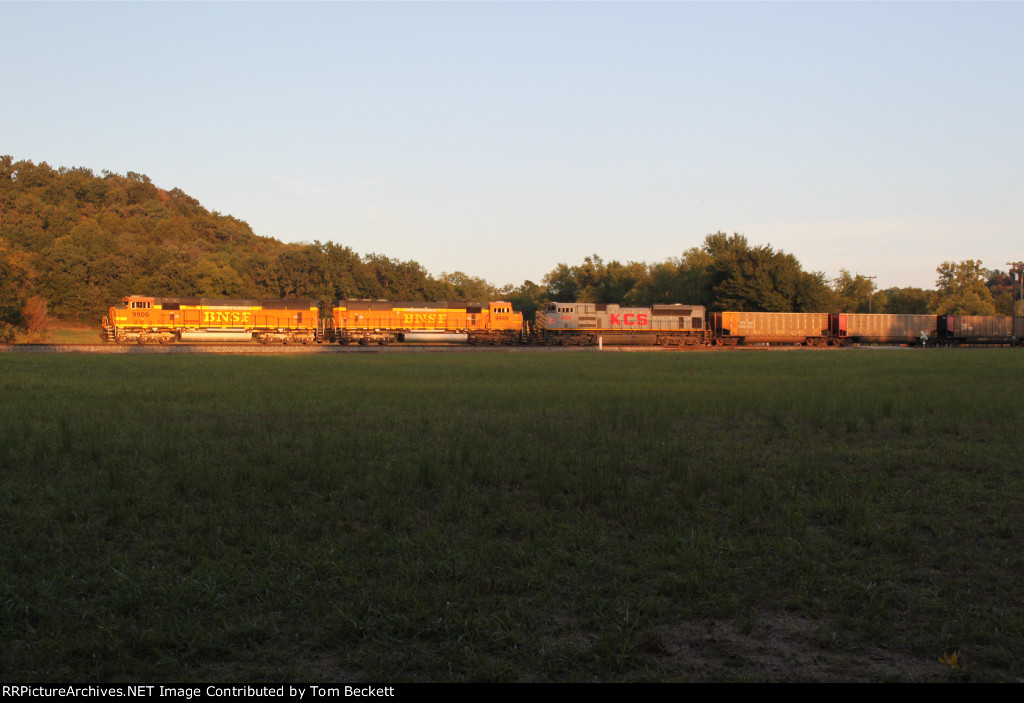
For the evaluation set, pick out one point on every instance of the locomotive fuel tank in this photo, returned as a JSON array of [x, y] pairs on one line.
[[214, 336], [435, 337]]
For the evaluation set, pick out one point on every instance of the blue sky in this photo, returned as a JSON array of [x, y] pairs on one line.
[[500, 139]]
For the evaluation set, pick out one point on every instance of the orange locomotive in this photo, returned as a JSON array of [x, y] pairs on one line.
[[145, 319], [384, 322]]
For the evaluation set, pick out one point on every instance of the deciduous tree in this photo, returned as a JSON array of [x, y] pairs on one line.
[[854, 293], [759, 278], [962, 290], [35, 316], [905, 301]]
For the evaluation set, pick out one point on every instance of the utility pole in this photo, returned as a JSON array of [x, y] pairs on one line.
[[1017, 273], [871, 291]]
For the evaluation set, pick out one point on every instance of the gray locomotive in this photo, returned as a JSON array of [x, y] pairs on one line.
[[592, 324]]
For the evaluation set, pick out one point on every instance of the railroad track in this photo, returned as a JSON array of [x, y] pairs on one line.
[[259, 349], [215, 348]]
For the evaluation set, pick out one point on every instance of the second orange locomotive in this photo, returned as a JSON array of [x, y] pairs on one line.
[[384, 322]]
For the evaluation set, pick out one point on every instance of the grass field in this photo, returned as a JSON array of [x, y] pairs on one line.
[[61, 333], [837, 515]]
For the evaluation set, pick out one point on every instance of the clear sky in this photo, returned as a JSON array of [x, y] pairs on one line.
[[500, 139]]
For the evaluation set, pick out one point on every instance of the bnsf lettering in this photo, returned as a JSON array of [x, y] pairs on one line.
[[629, 319], [410, 319], [226, 318]]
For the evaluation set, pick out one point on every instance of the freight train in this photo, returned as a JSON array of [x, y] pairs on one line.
[[145, 319], [671, 325]]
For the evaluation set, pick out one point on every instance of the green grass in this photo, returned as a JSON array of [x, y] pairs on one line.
[[61, 333], [850, 515]]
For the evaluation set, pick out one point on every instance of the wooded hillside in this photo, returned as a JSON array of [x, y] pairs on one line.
[[81, 241]]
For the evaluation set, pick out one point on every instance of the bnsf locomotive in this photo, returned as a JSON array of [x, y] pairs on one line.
[[142, 319], [384, 322]]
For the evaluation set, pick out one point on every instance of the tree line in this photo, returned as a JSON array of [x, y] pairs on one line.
[[72, 242], [728, 273]]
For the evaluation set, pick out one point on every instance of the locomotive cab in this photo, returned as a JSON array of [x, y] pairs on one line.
[[139, 309], [501, 316], [131, 319], [502, 326]]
